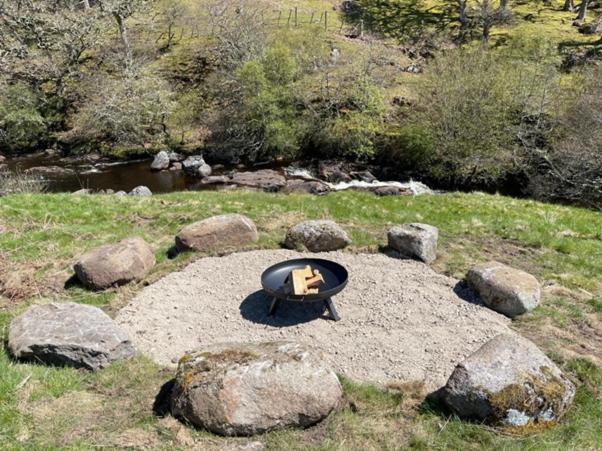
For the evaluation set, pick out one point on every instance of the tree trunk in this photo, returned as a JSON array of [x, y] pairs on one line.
[[123, 33], [582, 10], [568, 5], [86, 4], [503, 5], [462, 6]]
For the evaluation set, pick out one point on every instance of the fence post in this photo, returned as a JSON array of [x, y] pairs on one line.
[[288, 22], [296, 17], [326, 20], [311, 20], [279, 17], [361, 27]]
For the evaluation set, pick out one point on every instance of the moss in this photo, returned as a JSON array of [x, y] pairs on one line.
[[527, 397]]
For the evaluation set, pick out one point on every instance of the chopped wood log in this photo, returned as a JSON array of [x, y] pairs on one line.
[[305, 281]]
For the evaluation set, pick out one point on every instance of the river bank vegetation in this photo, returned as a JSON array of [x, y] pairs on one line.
[[459, 95]]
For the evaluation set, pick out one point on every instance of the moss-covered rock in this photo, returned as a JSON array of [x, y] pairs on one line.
[[509, 382], [246, 389]]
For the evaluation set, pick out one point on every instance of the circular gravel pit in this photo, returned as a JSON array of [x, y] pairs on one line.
[[401, 321]]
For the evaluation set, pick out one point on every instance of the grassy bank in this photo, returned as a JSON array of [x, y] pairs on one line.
[[42, 235]]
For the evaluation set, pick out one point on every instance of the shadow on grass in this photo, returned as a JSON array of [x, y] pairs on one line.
[[161, 405]]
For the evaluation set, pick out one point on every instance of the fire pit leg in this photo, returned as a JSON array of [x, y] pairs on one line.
[[333, 311], [273, 306]]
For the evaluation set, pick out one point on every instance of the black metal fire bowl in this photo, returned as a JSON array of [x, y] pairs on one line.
[[273, 281]]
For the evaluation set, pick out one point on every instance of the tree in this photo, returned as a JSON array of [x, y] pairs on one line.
[[568, 5], [121, 10], [582, 10]]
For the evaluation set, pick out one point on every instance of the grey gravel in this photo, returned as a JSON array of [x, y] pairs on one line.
[[400, 319]]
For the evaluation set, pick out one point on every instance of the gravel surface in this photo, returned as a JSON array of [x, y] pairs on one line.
[[401, 321]]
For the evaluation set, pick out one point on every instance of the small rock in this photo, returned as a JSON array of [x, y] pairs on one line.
[[2, 158], [364, 176], [115, 264], [245, 389], [333, 173], [121, 193], [203, 170], [215, 180], [71, 334], [161, 161], [509, 382], [504, 289], [265, 179], [415, 240], [317, 236], [217, 233], [141, 191], [82, 191], [306, 186], [392, 191], [176, 167], [175, 157], [109, 191]]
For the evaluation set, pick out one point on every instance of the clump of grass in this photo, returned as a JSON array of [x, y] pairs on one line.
[[21, 183]]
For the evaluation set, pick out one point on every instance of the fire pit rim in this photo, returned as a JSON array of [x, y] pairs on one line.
[[339, 270]]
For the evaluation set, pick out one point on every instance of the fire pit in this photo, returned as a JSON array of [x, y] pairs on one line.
[[275, 280]]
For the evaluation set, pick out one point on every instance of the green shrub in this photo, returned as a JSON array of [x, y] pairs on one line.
[[22, 126], [481, 108]]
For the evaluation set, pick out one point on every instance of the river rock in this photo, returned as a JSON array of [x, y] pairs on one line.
[[2, 158], [364, 176], [510, 382], [176, 166], [161, 161], [245, 389], [306, 186], [175, 157], [415, 240], [504, 289], [317, 236], [70, 334], [217, 233], [115, 264], [215, 180], [121, 193], [192, 163], [141, 191], [265, 179], [203, 171], [392, 191], [82, 192], [333, 172]]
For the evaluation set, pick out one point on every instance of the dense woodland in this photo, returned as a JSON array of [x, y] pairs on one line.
[[460, 94]]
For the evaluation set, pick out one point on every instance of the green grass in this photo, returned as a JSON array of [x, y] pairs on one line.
[[46, 407]]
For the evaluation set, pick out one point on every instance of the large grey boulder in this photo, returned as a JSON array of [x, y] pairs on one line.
[[161, 161], [115, 264], [75, 335], [264, 179], [510, 382], [504, 289], [317, 236], [141, 191], [245, 389], [415, 240], [195, 165], [217, 233]]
